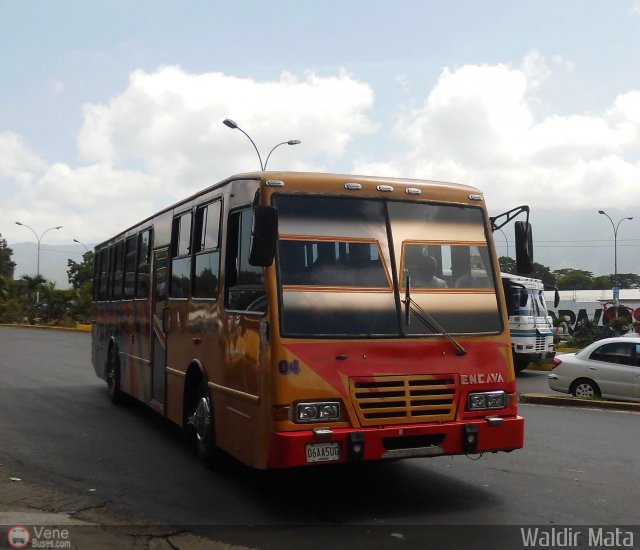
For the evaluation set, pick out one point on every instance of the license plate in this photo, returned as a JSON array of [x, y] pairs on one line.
[[323, 452]]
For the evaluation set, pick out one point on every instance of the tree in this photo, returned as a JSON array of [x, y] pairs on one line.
[[80, 272], [627, 280], [573, 279], [507, 265], [543, 273], [6, 265], [603, 282]]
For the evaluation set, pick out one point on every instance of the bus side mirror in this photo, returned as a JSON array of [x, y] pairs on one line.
[[524, 247], [556, 294], [263, 236]]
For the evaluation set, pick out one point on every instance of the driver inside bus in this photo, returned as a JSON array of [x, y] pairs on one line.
[[423, 273]]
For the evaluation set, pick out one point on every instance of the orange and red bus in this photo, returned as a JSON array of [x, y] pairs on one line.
[[292, 319]]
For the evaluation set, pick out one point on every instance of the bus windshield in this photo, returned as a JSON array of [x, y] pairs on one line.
[[343, 264], [528, 302]]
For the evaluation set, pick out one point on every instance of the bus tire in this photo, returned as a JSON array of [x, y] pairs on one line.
[[201, 422], [113, 377]]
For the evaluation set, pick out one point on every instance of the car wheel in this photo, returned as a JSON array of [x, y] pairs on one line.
[[585, 389]]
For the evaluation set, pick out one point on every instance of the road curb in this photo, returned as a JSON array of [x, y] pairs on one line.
[[77, 328], [546, 399]]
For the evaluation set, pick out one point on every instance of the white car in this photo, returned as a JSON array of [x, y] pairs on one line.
[[607, 368]]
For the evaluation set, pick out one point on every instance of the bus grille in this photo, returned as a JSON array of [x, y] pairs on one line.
[[383, 400], [541, 343]]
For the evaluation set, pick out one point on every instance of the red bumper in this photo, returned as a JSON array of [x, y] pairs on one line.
[[289, 449]]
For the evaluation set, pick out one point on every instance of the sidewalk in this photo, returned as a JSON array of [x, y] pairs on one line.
[[33, 516], [569, 401]]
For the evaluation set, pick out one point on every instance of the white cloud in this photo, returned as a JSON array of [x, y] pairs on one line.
[[477, 126], [634, 9], [163, 137], [17, 161], [170, 121]]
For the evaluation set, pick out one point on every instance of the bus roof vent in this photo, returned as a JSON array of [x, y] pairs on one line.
[[385, 188], [413, 191], [353, 186], [275, 183], [475, 197]]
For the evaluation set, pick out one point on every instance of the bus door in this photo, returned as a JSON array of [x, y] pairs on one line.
[[246, 306], [160, 324]]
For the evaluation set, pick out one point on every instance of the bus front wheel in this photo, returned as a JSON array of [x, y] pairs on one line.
[[202, 424]]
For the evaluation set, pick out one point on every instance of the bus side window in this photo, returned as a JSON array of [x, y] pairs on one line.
[[181, 258], [103, 274], [130, 247], [206, 240], [244, 282], [116, 292], [144, 264]]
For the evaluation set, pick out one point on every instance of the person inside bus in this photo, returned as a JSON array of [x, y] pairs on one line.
[[424, 276]]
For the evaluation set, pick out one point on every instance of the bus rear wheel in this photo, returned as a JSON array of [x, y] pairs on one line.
[[113, 377], [201, 422]]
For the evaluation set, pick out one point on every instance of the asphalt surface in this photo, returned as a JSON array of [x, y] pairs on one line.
[[127, 465]]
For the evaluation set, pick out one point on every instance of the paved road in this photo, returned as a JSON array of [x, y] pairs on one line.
[[56, 422]]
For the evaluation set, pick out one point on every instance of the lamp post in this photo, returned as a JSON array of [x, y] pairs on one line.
[[290, 142], [39, 239], [615, 253], [79, 242], [505, 240], [231, 124]]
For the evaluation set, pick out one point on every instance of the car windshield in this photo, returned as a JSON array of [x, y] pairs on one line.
[[343, 262]]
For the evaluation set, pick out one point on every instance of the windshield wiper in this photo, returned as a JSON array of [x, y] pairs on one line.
[[411, 306]]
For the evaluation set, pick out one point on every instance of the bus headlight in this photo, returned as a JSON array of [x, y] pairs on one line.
[[322, 411], [487, 400]]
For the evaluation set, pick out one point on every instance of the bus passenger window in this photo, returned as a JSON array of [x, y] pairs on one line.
[[103, 274], [180, 252], [129, 267], [244, 282], [116, 292], [144, 264], [207, 251]]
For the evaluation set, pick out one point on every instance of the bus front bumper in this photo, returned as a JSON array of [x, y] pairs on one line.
[[330, 446]]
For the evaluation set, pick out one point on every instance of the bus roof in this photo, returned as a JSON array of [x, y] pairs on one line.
[[389, 187]]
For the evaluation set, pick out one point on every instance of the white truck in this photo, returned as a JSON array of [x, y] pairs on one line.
[[530, 324]]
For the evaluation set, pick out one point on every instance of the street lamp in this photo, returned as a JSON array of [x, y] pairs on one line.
[[38, 239], [615, 253], [505, 240], [231, 124], [290, 142], [85, 246]]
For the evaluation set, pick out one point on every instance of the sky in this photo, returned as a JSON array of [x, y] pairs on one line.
[[111, 111]]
